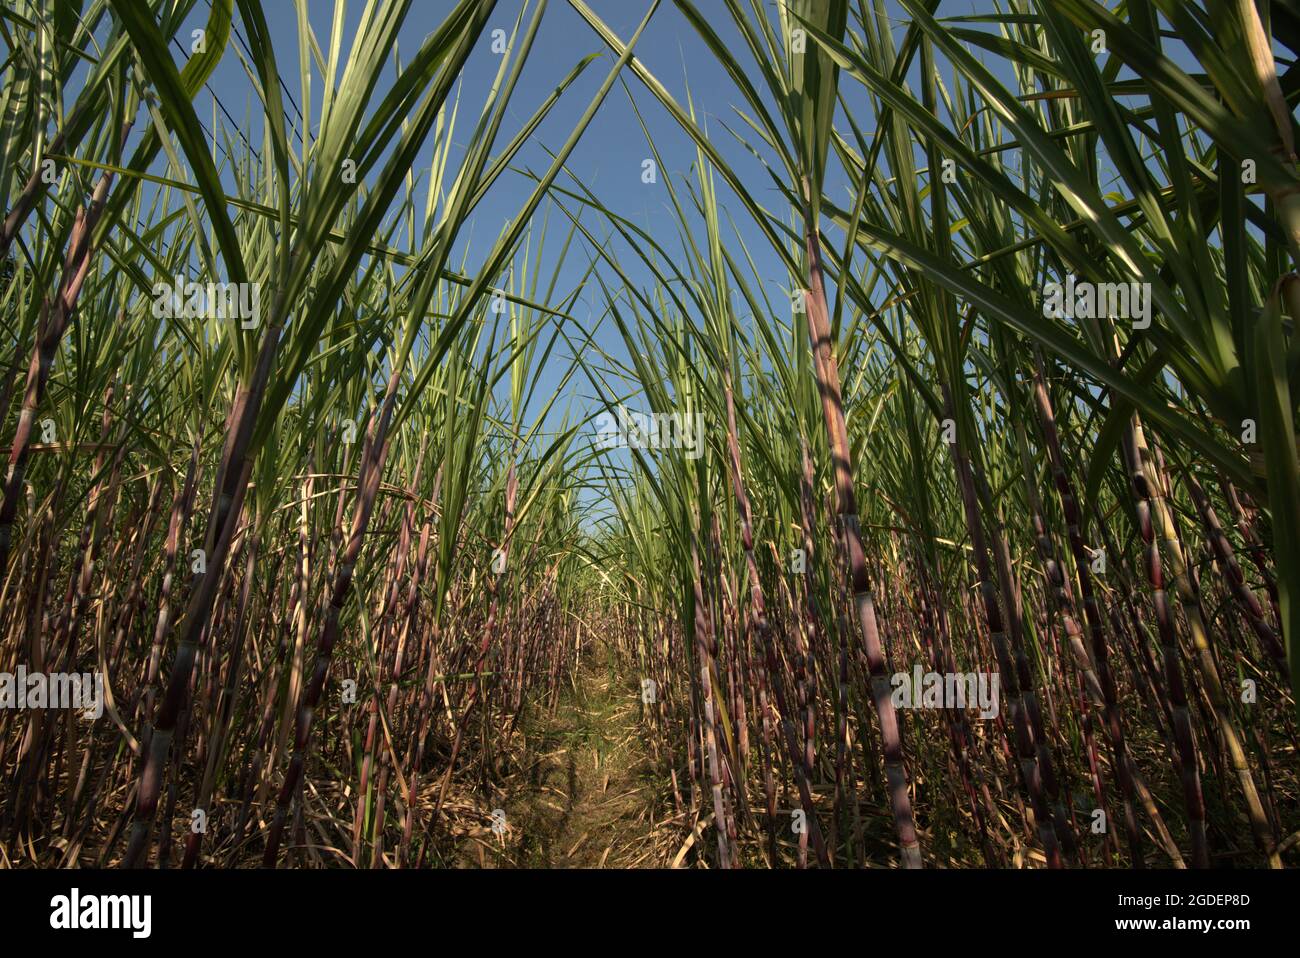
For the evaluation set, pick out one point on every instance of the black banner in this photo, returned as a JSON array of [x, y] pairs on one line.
[[362, 909]]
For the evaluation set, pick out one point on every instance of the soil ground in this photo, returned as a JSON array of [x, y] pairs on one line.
[[584, 793]]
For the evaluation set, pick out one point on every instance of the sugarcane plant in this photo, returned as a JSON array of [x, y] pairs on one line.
[[923, 468]]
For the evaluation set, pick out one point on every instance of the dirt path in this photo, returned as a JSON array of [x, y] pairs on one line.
[[585, 794]]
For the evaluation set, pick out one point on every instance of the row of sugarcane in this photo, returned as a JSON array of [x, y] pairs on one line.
[[323, 554], [910, 462], [906, 460]]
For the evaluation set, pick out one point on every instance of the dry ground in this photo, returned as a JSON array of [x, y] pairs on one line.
[[584, 793]]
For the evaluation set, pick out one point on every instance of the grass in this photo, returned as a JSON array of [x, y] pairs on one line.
[[587, 796]]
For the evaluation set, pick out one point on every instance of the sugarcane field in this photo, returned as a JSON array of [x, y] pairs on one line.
[[503, 435]]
